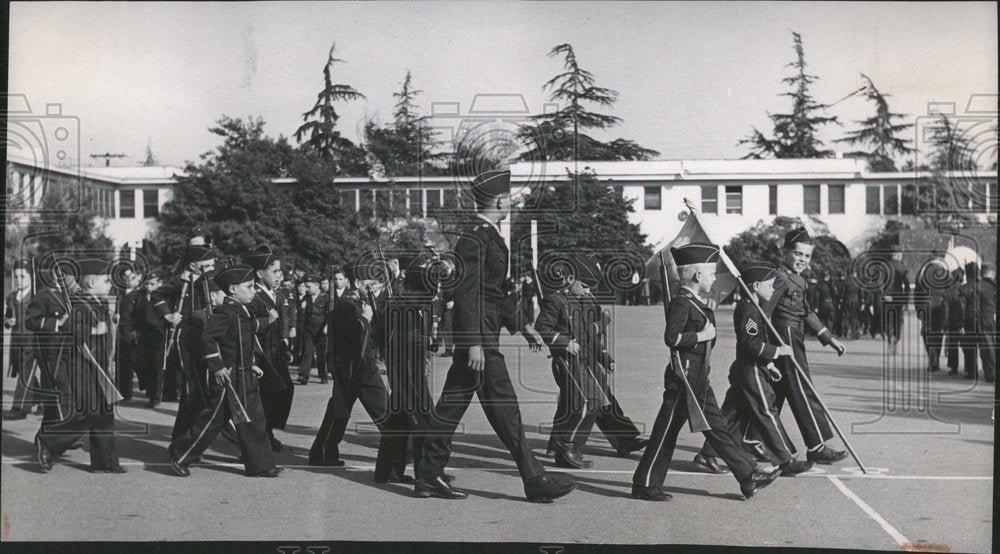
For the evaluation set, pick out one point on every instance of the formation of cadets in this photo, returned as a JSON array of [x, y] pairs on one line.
[[221, 340]]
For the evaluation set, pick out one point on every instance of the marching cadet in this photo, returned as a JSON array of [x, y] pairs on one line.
[[234, 389], [573, 324], [850, 307], [956, 318], [341, 285], [481, 308], [409, 345], [791, 314], [128, 335], [45, 317], [896, 299], [931, 306], [980, 321], [690, 331], [152, 329], [85, 393], [277, 390], [356, 376], [22, 357], [313, 325], [750, 400]]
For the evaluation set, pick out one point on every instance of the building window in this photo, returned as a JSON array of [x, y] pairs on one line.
[[349, 199], [772, 199], [366, 202], [399, 201], [992, 205], [891, 200], [734, 199], [652, 198], [382, 199], [126, 207], [709, 199], [873, 203], [416, 203], [908, 206], [810, 199], [433, 201], [450, 199], [836, 199], [150, 203]]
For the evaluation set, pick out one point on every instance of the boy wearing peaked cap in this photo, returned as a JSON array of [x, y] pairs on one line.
[[690, 331], [791, 313], [234, 389], [78, 381], [750, 400], [314, 328], [22, 358]]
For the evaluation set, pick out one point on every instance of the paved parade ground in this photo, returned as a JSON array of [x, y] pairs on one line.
[[927, 440]]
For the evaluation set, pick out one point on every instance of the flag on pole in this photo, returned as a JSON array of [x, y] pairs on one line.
[[692, 231]]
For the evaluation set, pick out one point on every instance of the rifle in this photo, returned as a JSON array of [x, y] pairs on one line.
[[385, 269], [171, 341], [701, 424]]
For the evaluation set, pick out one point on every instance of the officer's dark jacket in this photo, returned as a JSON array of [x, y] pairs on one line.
[[314, 314], [482, 305], [229, 336], [790, 308]]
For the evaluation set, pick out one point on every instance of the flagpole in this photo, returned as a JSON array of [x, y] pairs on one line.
[[802, 374]]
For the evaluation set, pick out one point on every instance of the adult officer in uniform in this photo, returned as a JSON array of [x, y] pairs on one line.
[[478, 367], [931, 305], [956, 317], [897, 298], [980, 321]]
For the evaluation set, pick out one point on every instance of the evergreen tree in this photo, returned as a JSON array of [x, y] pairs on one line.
[[952, 187], [880, 133], [150, 160], [407, 146], [319, 133], [795, 132]]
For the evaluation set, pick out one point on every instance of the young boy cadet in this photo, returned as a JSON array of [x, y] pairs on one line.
[[750, 401], [791, 313], [234, 391], [690, 331]]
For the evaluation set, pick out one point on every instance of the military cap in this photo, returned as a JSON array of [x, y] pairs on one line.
[[260, 257], [695, 253], [156, 274], [796, 236], [213, 286], [588, 271], [92, 266], [311, 278], [198, 253], [233, 275], [23, 264], [491, 184], [757, 271]]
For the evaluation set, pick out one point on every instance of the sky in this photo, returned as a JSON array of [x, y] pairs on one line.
[[693, 78]]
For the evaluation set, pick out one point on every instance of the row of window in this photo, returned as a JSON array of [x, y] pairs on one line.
[[150, 203], [412, 200], [734, 199]]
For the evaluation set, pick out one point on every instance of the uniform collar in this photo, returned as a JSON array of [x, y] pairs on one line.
[[690, 292], [270, 293], [491, 224]]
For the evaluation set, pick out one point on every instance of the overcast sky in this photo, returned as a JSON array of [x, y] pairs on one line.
[[693, 77]]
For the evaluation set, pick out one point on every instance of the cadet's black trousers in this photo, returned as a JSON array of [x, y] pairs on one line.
[[750, 403], [239, 403], [195, 396], [805, 406], [985, 342], [411, 407], [953, 341], [25, 370], [313, 347], [576, 410], [655, 462], [149, 365], [353, 382], [499, 402], [932, 331]]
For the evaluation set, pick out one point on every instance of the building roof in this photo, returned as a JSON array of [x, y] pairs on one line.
[[132, 175]]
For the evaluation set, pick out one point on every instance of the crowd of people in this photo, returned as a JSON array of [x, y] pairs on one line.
[[221, 339]]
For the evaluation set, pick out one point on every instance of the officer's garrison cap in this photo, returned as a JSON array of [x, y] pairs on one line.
[[695, 253]]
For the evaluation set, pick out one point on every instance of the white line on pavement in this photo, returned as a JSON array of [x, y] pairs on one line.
[[901, 540]]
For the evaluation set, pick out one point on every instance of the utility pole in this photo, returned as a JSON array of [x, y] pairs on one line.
[[107, 157]]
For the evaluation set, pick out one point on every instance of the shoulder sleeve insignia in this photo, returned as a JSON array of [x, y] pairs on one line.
[[751, 327]]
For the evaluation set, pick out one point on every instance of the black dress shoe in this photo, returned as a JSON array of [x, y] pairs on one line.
[[437, 488], [570, 458], [795, 467], [152, 403], [323, 380], [396, 477], [327, 463], [826, 455], [43, 455], [301, 381], [710, 463], [15, 414], [758, 480], [273, 472], [631, 446], [654, 494], [178, 469], [547, 487]]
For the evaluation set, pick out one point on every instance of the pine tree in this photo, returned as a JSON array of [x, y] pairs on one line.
[[407, 146], [880, 133], [948, 192], [319, 133], [795, 132], [150, 160]]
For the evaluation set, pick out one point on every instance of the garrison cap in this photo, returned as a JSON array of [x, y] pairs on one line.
[[588, 271], [92, 266], [156, 274], [260, 257], [233, 275], [797, 235], [198, 253], [213, 286], [311, 278], [695, 253], [491, 184], [757, 271]]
